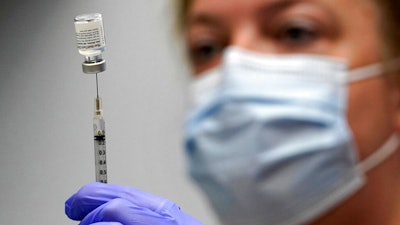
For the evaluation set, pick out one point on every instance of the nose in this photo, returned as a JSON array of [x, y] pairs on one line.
[[248, 36]]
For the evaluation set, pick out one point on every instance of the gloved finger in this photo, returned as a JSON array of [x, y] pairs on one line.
[[127, 213], [91, 196], [107, 223]]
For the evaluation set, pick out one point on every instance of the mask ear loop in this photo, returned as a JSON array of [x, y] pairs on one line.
[[376, 158], [391, 145], [373, 70], [365, 72]]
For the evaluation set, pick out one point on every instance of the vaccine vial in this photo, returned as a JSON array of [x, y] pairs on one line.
[[90, 41]]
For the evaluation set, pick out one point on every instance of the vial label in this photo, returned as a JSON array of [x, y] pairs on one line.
[[90, 35]]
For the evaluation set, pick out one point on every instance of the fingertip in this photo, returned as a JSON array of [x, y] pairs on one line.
[[107, 223], [69, 208], [74, 207]]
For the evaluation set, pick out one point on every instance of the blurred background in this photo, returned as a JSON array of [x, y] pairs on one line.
[[47, 103]]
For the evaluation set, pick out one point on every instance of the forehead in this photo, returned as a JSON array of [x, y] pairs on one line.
[[253, 6], [234, 12]]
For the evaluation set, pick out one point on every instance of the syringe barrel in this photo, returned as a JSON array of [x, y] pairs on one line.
[[99, 133], [100, 149]]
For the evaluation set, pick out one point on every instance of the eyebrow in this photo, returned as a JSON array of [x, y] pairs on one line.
[[278, 6], [211, 19], [204, 18]]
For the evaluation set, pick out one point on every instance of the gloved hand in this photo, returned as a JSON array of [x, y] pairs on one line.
[[108, 204]]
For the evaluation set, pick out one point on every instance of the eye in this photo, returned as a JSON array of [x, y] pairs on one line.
[[298, 34], [204, 51]]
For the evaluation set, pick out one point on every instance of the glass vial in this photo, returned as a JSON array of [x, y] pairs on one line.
[[90, 41]]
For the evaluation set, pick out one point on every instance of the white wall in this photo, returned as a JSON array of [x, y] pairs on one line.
[[46, 107]]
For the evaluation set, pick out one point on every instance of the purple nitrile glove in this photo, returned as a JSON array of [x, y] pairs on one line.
[[108, 204]]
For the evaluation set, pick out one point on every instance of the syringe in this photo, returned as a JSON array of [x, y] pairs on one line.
[[91, 43], [99, 142]]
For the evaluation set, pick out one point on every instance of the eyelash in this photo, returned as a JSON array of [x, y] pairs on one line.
[[291, 35], [203, 52], [296, 35]]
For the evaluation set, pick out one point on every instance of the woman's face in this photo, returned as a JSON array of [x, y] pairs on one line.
[[343, 28]]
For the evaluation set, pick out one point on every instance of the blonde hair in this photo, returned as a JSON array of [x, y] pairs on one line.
[[181, 7], [390, 26]]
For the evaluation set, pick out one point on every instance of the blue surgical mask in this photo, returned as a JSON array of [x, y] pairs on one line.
[[268, 139]]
